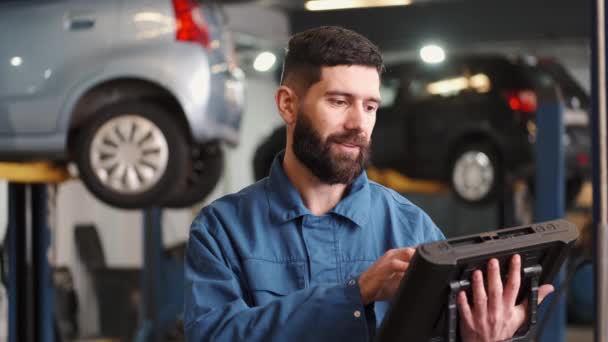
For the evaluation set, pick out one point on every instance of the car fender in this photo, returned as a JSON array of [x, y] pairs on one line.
[[192, 96]]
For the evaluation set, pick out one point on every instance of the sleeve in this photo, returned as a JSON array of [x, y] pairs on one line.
[[431, 231], [217, 304]]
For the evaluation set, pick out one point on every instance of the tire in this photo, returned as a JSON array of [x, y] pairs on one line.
[[475, 173], [110, 152], [207, 166]]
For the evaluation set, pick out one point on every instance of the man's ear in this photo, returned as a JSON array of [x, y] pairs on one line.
[[287, 104]]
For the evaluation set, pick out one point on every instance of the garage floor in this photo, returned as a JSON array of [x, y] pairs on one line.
[[579, 334]]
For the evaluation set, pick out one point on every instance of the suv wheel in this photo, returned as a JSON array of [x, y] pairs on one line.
[[131, 154], [475, 173], [207, 165]]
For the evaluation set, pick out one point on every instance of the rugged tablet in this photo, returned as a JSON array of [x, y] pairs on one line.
[[425, 308]]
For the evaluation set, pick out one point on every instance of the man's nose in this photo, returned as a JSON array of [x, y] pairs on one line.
[[355, 119]]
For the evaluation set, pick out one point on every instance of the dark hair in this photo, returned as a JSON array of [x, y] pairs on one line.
[[314, 48]]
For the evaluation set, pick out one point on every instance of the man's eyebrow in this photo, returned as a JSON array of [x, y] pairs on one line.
[[347, 94]]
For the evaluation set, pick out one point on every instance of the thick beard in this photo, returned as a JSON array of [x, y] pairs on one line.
[[309, 147]]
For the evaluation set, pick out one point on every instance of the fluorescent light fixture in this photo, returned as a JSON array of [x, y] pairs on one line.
[[432, 54], [480, 83], [16, 61], [448, 86], [264, 61], [327, 5]]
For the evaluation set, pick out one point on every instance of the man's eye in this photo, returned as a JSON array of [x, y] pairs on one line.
[[371, 108], [338, 102]]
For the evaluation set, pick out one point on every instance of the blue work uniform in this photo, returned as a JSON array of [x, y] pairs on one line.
[[261, 267]]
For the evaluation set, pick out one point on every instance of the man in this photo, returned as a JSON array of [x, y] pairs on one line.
[[314, 251]]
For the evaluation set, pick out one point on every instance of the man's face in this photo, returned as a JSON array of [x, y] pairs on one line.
[[332, 133]]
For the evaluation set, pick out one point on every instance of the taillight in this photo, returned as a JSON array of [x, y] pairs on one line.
[[190, 24], [521, 100], [582, 159]]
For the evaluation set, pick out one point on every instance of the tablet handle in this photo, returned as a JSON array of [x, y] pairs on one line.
[[531, 274]]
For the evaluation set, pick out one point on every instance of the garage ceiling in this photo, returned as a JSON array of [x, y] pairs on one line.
[[452, 22]]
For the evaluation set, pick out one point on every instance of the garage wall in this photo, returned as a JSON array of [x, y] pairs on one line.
[[260, 119]]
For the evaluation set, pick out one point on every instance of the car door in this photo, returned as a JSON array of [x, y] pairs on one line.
[[439, 100], [47, 45], [388, 136]]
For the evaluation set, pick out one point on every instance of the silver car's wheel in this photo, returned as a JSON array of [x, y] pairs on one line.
[[474, 175], [129, 154], [133, 154]]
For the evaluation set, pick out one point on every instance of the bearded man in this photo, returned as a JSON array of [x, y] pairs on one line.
[[315, 251]]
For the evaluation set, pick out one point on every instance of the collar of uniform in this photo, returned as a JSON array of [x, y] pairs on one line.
[[285, 203], [356, 205]]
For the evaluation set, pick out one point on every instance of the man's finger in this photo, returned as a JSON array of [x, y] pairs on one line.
[[465, 310], [480, 299], [394, 282], [514, 280], [404, 254], [396, 265], [544, 291], [494, 288]]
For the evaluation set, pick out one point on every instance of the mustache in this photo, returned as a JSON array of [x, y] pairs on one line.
[[353, 137]]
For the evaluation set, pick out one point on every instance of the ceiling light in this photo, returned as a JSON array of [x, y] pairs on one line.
[[432, 54], [326, 5], [16, 61], [264, 61]]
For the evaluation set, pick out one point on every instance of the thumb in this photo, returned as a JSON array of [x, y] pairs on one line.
[[544, 291], [522, 309]]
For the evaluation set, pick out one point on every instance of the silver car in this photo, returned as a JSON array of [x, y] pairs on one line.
[[138, 93]]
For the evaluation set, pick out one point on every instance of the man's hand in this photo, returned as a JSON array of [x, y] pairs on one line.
[[494, 317], [381, 280]]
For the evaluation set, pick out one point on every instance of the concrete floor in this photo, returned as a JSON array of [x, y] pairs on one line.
[[579, 333]]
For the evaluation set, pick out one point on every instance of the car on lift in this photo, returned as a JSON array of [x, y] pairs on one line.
[[468, 121], [140, 94]]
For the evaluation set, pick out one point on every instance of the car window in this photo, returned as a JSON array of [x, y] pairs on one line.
[[574, 94], [448, 81]]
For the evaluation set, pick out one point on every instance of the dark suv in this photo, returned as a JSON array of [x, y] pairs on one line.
[[470, 119]]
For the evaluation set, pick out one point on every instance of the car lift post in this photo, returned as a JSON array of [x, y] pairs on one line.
[[152, 284], [30, 288], [162, 280], [550, 194], [599, 128]]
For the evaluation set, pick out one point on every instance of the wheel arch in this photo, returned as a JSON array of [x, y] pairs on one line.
[[123, 89]]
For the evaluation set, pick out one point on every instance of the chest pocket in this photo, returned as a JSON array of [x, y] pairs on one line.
[[270, 280]]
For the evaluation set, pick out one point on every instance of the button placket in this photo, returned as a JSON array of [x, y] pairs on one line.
[[320, 245]]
